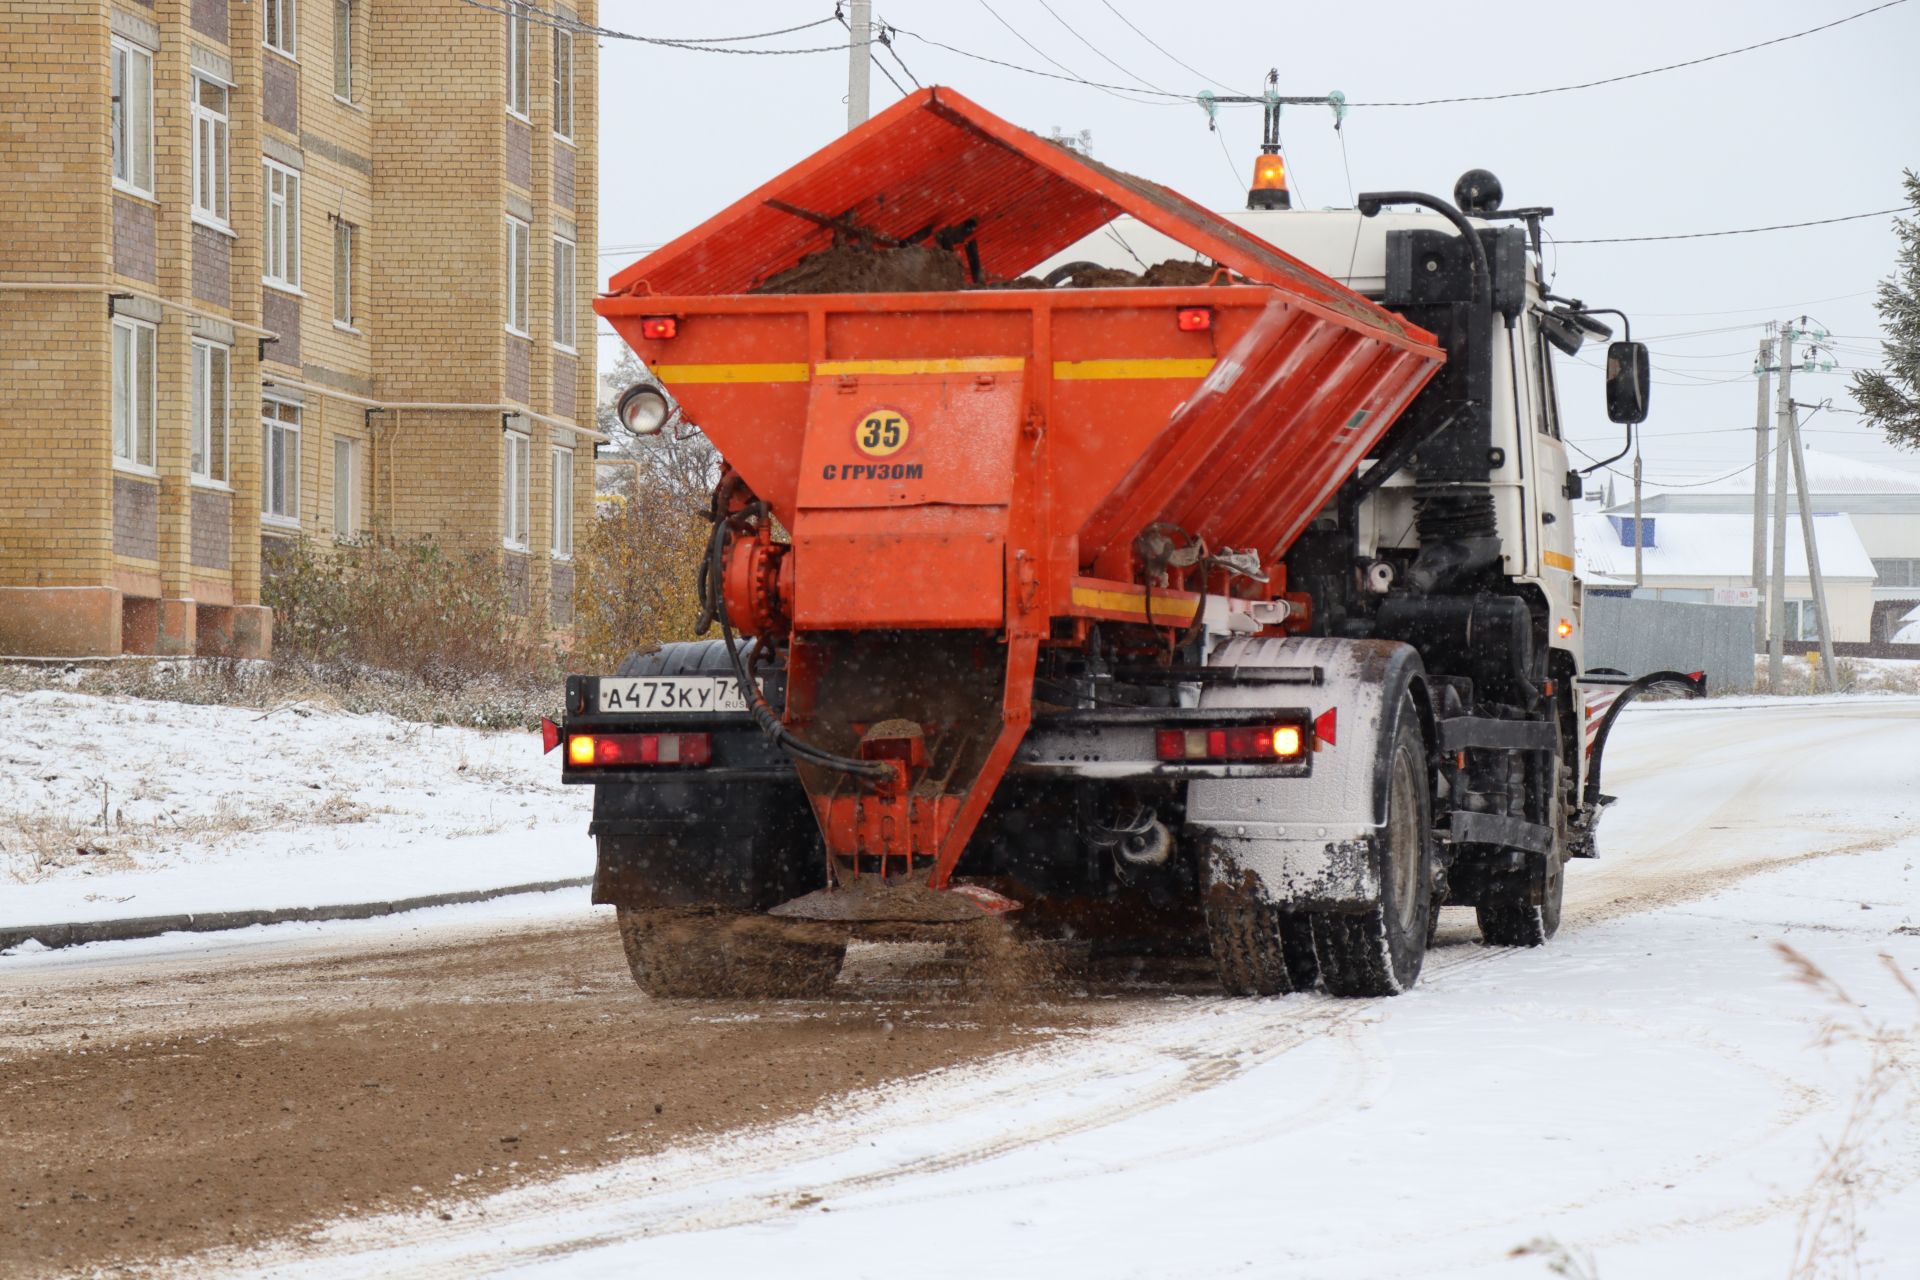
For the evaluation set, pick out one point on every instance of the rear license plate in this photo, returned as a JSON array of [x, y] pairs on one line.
[[684, 694]]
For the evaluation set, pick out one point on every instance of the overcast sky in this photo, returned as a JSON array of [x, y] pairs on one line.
[[1812, 128]]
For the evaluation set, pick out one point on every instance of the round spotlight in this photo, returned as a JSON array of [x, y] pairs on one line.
[[642, 410], [1478, 191]]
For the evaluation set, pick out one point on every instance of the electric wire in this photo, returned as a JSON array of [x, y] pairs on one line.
[[1747, 231], [1635, 75], [1163, 49], [872, 40], [886, 40], [702, 44], [1096, 50], [1112, 90]]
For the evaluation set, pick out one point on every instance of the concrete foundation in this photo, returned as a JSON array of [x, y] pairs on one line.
[[158, 628], [60, 622], [235, 631]]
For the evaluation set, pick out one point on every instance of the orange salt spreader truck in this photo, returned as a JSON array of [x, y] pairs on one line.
[[1235, 615]]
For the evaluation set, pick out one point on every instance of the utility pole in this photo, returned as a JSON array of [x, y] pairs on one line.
[[1813, 557], [859, 62], [1777, 591], [1639, 578], [1764, 368]]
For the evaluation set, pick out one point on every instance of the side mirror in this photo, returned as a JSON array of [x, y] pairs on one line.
[[1629, 376]]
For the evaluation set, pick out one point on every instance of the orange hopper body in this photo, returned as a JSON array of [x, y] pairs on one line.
[[963, 475]]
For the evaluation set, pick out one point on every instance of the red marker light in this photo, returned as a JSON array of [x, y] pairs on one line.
[[549, 735], [659, 327], [1195, 319]]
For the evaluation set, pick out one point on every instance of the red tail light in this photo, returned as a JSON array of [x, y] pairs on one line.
[[1241, 742], [590, 750], [1195, 319], [659, 327]]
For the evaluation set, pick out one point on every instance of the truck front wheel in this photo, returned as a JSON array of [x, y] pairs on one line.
[[1377, 952]]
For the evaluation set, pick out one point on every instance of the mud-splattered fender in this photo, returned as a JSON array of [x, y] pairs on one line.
[[1312, 843]]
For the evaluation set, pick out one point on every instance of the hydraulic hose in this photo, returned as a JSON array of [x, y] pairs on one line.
[[713, 582]]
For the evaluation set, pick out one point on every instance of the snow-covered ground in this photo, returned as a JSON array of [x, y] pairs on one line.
[[1659, 1092], [113, 807]]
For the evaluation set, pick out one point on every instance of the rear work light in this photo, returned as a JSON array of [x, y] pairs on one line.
[[1195, 319], [591, 750], [1242, 742], [659, 327]]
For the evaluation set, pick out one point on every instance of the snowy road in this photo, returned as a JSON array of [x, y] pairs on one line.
[[1648, 1090]]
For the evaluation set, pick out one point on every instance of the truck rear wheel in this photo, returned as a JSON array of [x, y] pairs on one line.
[[718, 955], [1258, 950], [1522, 908], [1377, 952]]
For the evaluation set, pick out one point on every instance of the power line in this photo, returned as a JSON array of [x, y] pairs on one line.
[[1096, 51], [1112, 90], [886, 41], [702, 44], [1635, 75], [871, 55], [1156, 44], [1170, 99], [1747, 231]]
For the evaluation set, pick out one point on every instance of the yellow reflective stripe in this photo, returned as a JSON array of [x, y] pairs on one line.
[[1085, 370], [970, 364], [691, 373], [1557, 561], [1165, 608]]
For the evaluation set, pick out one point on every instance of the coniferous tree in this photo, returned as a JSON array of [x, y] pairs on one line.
[[1890, 397]]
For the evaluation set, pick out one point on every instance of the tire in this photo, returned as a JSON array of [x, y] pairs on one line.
[[705, 955], [1377, 952], [1522, 908], [1258, 950]]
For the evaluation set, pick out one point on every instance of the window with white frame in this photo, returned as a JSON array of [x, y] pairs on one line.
[[1897, 573], [518, 271], [210, 390], [133, 392], [280, 264], [343, 50], [132, 120], [209, 151], [516, 514], [563, 83], [519, 51], [1803, 622], [346, 487], [281, 21], [563, 308], [343, 259], [562, 491], [280, 461]]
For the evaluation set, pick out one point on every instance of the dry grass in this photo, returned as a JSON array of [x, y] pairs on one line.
[[38, 842], [1829, 1235], [1855, 675], [479, 701]]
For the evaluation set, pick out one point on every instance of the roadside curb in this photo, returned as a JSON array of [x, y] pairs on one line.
[[70, 935]]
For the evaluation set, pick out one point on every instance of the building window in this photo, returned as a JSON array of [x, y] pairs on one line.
[[563, 83], [518, 52], [281, 263], [210, 152], [1803, 621], [346, 489], [280, 25], [518, 268], [517, 495], [562, 492], [1897, 573], [132, 118], [343, 254], [210, 389], [133, 392], [563, 308], [280, 461], [343, 50]]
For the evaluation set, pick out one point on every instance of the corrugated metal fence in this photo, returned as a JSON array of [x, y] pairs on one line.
[[1638, 636]]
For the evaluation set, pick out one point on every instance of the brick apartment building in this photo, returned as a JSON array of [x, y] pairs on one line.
[[284, 268]]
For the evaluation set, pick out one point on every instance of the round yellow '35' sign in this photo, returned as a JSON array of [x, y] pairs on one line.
[[881, 433]]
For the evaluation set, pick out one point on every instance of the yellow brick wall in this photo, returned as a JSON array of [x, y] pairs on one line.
[[55, 164]]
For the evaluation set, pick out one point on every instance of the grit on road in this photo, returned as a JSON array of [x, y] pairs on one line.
[[493, 1096]]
